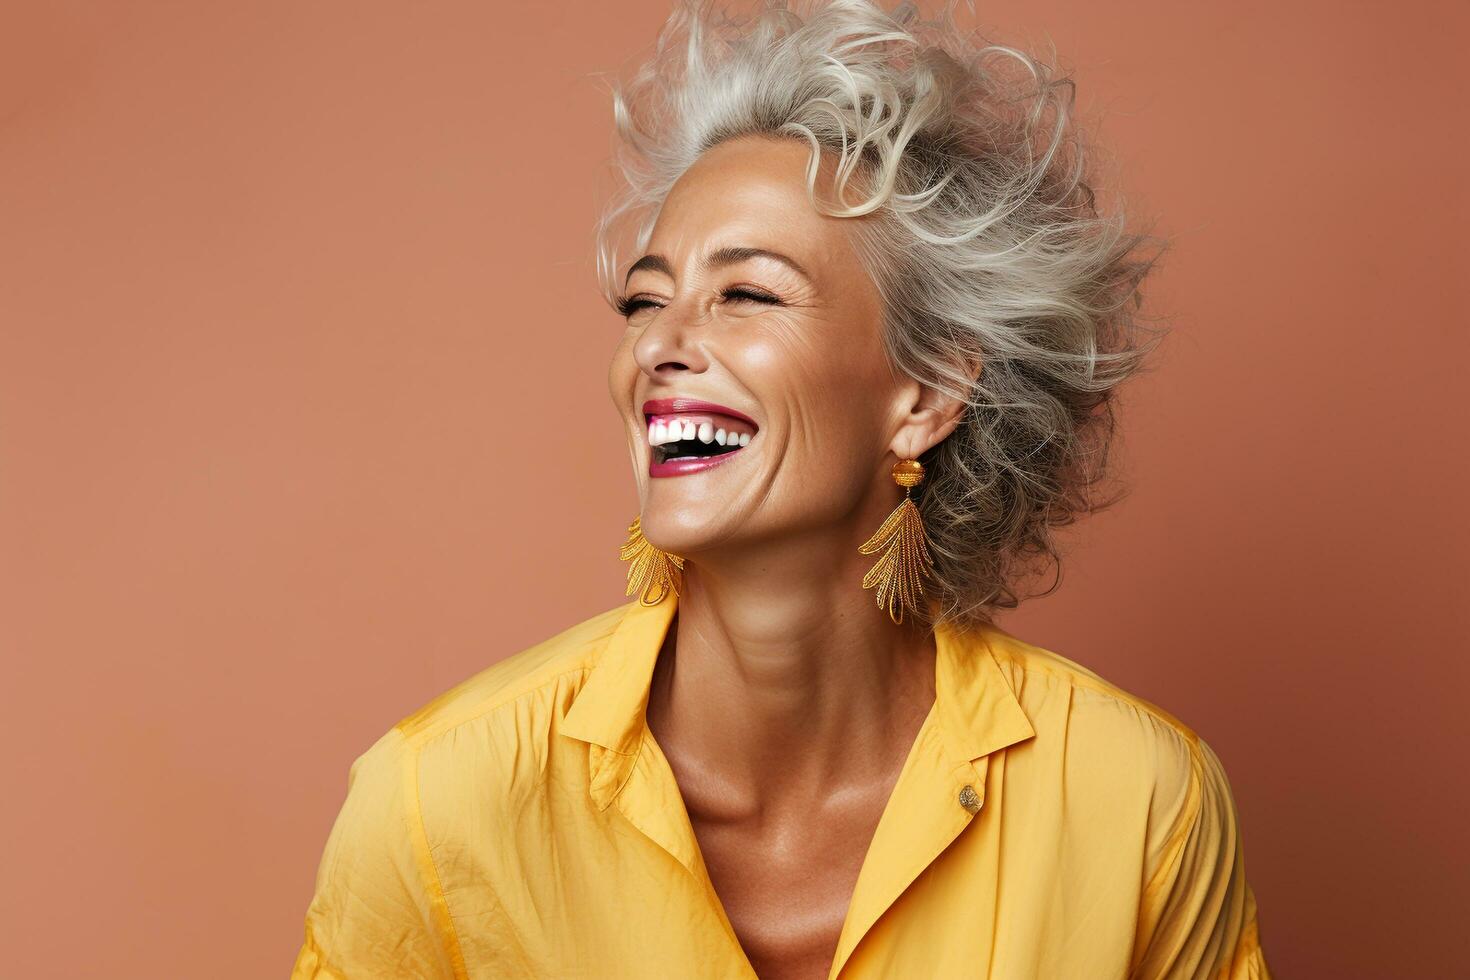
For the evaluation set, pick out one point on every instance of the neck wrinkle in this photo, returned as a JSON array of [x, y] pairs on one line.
[[781, 690]]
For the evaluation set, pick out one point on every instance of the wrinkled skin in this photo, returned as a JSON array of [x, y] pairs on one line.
[[784, 698]]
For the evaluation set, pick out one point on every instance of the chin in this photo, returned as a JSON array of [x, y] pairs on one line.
[[685, 528]]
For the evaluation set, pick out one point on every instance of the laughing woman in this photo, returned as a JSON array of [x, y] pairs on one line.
[[874, 324]]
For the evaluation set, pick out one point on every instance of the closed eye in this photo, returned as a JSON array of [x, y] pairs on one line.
[[626, 307], [741, 292]]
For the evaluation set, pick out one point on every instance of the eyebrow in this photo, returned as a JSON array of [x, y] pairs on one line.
[[718, 259]]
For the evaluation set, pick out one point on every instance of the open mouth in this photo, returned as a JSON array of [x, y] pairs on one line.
[[690, 435], [696, 435]]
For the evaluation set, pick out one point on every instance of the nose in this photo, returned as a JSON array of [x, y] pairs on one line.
[[672, 343]]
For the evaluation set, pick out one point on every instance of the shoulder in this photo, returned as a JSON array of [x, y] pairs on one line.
[[1044, 676], [1112, 741], [496, 728], [535, 671], [1147, 791]]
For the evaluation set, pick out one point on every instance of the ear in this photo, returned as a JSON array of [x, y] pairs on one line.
[[931, 416]]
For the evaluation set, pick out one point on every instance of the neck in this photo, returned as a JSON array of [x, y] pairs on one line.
[[781, 677]]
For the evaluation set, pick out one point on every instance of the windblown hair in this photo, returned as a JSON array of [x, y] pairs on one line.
[[980, 231]]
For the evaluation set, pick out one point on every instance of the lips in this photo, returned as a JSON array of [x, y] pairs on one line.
[[673, 406], [690, 435]]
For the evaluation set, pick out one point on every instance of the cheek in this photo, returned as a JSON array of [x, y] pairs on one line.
[[622, 369], [830, 387]]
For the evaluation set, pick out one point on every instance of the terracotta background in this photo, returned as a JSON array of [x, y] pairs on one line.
[[303, 419]]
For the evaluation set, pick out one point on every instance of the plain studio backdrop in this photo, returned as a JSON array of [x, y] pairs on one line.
[[303, 419]]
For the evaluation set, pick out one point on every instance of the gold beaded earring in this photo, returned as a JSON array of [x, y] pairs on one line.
[[654, 573], [905, 545]]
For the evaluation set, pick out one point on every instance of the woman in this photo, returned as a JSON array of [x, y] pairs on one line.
[[873, 331]]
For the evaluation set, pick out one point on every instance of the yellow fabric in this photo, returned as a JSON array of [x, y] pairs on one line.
[[526, 824]]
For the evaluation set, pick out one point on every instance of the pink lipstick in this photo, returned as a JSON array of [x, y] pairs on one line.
[[688, 435], [670, 406]]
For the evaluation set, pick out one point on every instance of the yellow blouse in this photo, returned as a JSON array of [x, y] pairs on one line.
[[1045, 824]]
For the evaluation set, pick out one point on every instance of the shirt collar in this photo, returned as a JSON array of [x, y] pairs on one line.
[[975, 707]]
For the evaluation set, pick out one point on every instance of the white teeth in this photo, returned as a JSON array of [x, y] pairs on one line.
[[666, 431]]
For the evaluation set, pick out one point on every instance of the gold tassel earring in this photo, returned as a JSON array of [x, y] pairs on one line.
[[654, 573], [905, 545]]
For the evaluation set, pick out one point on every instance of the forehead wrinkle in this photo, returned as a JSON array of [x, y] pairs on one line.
[[741, 210], [720, 257], [727, 255]]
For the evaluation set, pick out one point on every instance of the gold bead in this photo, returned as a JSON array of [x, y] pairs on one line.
[[908, 473]]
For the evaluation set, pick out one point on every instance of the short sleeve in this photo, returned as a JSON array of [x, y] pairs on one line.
[[377, 910], [1198, 915]]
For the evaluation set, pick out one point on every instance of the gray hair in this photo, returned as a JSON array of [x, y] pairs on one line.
[[981, 233]]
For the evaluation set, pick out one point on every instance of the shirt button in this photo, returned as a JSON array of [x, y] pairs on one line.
[[969, 799]]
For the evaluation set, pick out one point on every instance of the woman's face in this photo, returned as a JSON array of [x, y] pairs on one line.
[[788, 353]]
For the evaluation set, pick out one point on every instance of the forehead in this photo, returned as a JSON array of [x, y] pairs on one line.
[[752, 191]]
